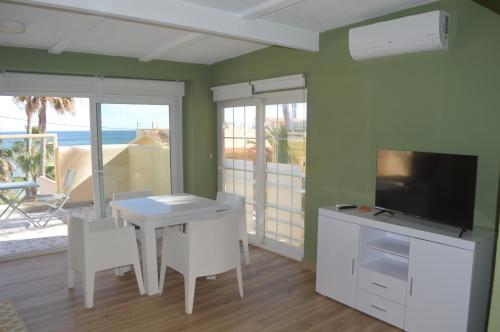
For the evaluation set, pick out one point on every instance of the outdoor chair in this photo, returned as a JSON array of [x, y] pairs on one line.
[[55, 202]]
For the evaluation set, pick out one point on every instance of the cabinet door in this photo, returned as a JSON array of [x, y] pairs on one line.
[[439, 291], [338, 248]]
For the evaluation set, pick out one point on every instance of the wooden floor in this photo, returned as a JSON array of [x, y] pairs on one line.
[[279, 296]]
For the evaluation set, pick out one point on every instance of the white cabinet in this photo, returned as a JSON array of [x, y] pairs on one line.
[[438, 296], [338, 243], [412, 274]]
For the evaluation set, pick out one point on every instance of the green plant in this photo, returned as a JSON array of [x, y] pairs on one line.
[[278, 139]]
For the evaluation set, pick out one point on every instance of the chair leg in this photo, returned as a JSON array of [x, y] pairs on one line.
[[189, 287], [71, 278], [163, 266], [245, 250], [88, 288], [138, 276], [240, 280]]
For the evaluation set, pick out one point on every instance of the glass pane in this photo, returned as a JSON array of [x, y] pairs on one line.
[[228, 180], [250, 150], [239, 182], [135, 148], [271, 224], [285, 190], [249, 186], [228, 149], [297, 230], [284, 228], [272, 189], [251, 229], [228, 122], [250, 122]]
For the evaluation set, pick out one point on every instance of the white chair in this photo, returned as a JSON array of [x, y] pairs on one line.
[[120, 222], [56, 202], [237, 205], [97, 246], [127, 195], [208, 247]]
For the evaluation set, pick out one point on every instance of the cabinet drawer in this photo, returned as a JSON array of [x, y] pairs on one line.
[[388, 311], [383, 285]]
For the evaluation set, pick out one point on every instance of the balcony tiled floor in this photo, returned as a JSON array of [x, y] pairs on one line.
[[19, 239]]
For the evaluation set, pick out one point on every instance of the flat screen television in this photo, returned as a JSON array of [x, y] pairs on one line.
[[434, 186]]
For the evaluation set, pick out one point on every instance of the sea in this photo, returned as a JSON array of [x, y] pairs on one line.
[[71, 138]]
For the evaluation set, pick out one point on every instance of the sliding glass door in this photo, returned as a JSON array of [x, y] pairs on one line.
[[263, 157], [134, 150]]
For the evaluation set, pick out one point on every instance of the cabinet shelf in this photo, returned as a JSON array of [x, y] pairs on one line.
[[390, 267], [390, 245]]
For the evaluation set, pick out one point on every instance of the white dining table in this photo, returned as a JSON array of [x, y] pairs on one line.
[[151, 213]]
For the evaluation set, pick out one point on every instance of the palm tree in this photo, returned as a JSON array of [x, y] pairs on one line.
[[30, 106], [38, 105], [6, 165], [60, 105]]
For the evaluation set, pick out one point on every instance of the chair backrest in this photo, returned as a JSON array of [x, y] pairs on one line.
[[235, 201], [236, 205], [213, 245], [132, 194], [77, 230], [69, 180]]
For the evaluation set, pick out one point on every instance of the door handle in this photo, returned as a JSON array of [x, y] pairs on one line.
[[353, 263], [411, 286]]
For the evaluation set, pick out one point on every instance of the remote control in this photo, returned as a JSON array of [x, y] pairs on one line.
[[345, 207]]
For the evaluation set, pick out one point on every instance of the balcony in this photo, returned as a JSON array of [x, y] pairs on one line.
[[127, 167]]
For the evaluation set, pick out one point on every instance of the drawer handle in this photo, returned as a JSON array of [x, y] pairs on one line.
[[379, 285], [378, 308]]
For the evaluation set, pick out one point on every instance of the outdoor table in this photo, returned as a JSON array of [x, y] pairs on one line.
[[14, 203]]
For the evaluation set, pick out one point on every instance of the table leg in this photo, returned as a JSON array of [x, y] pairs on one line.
[[149, 263], [11, 203]]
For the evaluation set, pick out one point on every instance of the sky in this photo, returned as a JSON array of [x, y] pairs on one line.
[[114, 117]]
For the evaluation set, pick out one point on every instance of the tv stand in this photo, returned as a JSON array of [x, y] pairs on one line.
[[418, 276], [383, 211]]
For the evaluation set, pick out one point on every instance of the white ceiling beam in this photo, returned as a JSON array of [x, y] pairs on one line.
[[184, 41], [188, 16], [80, 28], [268, 7]]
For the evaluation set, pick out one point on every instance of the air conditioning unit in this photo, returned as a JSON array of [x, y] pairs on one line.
[[411, 34]]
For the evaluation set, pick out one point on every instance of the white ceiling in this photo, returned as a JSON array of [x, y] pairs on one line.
[[235, 27]]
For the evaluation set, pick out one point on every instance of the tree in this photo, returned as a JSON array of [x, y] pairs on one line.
[[61, 105], [6, 166], [30, 107], [278, 138], [38, 105]]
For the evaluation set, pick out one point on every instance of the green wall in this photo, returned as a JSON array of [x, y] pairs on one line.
[[199, 124], [441, 101]]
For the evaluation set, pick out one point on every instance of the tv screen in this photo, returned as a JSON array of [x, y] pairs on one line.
[[435, 186]]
